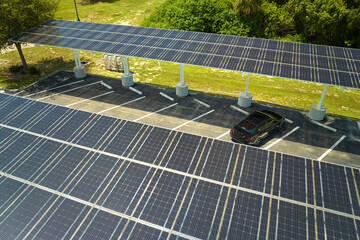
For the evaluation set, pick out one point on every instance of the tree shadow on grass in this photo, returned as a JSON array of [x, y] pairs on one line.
[[20, 80]]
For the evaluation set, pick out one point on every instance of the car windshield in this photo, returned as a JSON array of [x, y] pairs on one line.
[[245, 125]]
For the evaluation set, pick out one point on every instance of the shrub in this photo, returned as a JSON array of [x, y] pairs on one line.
[[34, 70], [16, 68]]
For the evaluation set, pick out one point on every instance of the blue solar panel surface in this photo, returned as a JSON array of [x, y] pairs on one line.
[[315, 63], [66, 173]]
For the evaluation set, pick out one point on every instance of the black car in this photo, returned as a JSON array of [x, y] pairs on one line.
[[257, 126]]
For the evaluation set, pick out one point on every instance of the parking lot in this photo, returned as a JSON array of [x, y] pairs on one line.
[[200, 114]]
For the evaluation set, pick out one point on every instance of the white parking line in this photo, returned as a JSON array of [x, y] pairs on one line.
[[193, 119], [238, 109], [135, 90], [106, 85], [18, 92], [156, 112], [331, 148], [289, 121], [324, 126], [69, 90], [137, 99], [166, 96], [54, 88], [72, 104], [201, 103], [278, 140], [222, 135]]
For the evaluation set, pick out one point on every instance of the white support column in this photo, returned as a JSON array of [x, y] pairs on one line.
[[126, 78], [245, 98], [75, 58], [78, 58], [79, 70], [323, 95], [181, 74], [182, 88], [317, 111], [247, 84]]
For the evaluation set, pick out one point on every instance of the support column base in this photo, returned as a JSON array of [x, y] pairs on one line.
[[317, 113], [127, 80], [80, 72], [245, 100], [182, 90]]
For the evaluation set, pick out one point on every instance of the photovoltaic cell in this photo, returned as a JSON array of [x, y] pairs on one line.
[[292, 221], [61, 172], [32, 111], [153, 145], [99, 224], [183, 160], [336, 192], [23, 211], [61, 221], [98, 171], [202, 202], [340, 227], [243, 216], [33, 164], [129, 184], [73, 125], [166, 180], [12, 150], [218, 162], [162, 200]]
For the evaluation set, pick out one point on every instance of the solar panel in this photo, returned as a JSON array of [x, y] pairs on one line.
[[68, 173], [336, 66]]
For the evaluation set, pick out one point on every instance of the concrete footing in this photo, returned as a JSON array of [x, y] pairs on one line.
[[245, 99], [127, 80], [80, 72], [317, 113], [182, 90]]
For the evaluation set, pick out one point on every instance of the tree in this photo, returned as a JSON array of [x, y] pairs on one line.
[[17, 16], [247, 7]]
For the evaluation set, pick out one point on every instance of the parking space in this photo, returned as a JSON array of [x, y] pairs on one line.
[[201, 114]]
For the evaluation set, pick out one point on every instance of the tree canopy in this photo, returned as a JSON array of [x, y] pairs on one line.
[[331, 22], [17, 16]]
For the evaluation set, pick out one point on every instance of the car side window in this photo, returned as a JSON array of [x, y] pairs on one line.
[[265, 124]]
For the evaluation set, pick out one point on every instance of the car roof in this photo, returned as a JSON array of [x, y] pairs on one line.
[[257, 117]]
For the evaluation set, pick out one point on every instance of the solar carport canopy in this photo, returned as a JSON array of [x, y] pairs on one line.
[[314, 63]]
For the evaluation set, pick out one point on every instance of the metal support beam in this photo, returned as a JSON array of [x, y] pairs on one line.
[[181, 74], [78, 58], [247, 84], [125, 62], [75, 58], [323, 95]]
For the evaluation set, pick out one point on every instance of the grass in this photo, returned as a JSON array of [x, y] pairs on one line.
[[211, 81], [128, 12]]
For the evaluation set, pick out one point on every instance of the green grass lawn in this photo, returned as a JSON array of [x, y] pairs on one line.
[[128, 12], [212, 81]]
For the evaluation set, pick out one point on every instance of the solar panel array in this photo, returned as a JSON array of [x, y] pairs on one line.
[[66, 173], [315, 63]]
